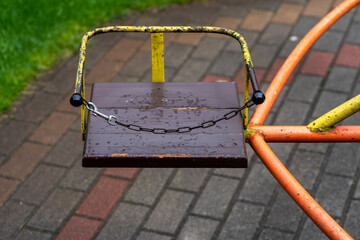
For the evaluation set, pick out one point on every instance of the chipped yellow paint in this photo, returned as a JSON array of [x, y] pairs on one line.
[[80, 76], [172, 155], [157, 57], [329, 119], [246, 98], [119, 154]]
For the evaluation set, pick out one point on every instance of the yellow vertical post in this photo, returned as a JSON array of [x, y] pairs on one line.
[[246, 98], [157, 57]]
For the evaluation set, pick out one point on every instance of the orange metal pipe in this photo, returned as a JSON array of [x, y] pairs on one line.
[[294, 58], [316, 213], [303, 134]]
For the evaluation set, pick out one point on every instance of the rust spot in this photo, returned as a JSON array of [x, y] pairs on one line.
[[172, 155], [119, 154]]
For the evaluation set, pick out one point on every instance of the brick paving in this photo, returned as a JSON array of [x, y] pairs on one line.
[[46, 194]]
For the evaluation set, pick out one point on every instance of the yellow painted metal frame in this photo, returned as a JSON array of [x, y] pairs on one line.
[[157, 57], [326, 122], [157, 54]]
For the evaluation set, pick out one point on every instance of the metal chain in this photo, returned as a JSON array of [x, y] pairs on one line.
[[112, 120]]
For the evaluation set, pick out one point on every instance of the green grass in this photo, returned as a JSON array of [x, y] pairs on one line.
[[35, 34]]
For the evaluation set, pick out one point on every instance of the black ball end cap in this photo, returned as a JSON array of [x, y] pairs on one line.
[[76, 100], [258, 97]]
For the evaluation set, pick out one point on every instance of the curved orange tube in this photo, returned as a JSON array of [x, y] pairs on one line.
[[303, 134], [320, 217], [294, 58]]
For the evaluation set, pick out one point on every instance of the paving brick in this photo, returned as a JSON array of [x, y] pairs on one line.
[[53, 128], [215, 198], [7, 187], [104, 71], [192, 71], [2, 159], [275, 67], [269, 234], [263, 55], [240, 78], [317, 63], [311, 231], [287, 48], [243, 221], [305, 167], [65, 106], [56, 208], [79, 228], [275, 34], [315, 147], [198, 228], [284, 214], [123, 50], [326, 102], [250, 38], [341, 79], [280, 98], [317, 8], [353, 35], [189, 38], [231, 172], [305, 88], [292, 113], [343, 23], [287, 13], [189, 178], [215, 78], [13, 134], [64, 80], [226, 64], [176, 54], [169, 212], [66, 151], [233, 10], [332, 193], [228, 22], [269, 5], [169, 75], [138, 64], [32, 235], [13, 216], [349, 55], [282, 150], [259, 185], [304, 25], [148, 185], [257, 20], [80, 178], [352, 225], [39, 184], [357, 15], [102, 198], [128, 173], [209, 48], [152, 236], [37, 108], [24, 160], [102, 44], [329, 42]]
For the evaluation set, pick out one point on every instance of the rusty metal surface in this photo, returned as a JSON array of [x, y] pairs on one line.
[[165, 105]]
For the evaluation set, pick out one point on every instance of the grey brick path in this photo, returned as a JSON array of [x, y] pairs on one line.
[[42, 183]]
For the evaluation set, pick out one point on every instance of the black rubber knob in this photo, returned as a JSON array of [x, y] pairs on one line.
[[258, 97], [76, 100]]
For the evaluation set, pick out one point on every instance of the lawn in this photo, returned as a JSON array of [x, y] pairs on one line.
[[35, 34]]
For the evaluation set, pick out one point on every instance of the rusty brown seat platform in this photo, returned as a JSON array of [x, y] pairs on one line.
[[165, 105]]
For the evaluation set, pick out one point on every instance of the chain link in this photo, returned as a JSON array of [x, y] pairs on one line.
[[113, 120]]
